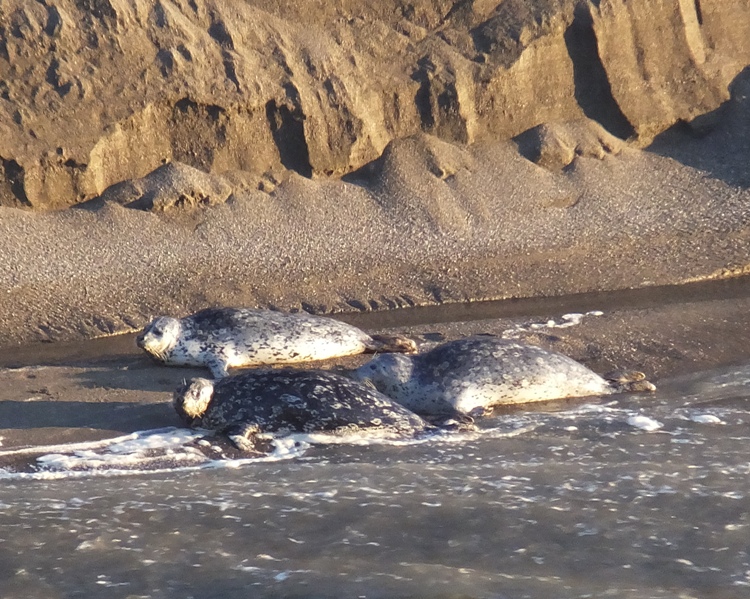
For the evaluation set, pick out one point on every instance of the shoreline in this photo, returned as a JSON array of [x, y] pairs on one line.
[[116, 389]]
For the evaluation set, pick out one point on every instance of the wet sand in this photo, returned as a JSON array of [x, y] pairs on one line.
[[60, 393]]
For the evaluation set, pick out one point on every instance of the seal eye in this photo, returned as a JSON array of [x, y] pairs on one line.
[[157, 331]]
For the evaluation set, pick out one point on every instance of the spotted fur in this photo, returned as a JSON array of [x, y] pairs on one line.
[[289, 401], [222, 338], [473, 374]]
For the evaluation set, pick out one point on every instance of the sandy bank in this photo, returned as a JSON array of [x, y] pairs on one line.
[[434, 222]]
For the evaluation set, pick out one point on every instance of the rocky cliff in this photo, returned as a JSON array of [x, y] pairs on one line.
[[98, 92]]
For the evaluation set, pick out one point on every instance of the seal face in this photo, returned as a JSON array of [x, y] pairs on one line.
[[290, 400], [222, 338], [473, 374]]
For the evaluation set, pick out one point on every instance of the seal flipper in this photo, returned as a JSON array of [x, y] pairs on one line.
[[241, 435], [480, 412], [390, 343], [462, 424], [639, 387], [453, 420], [628, 381], [218, 366]]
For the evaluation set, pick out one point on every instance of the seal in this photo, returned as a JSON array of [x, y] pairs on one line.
[[222, 338], [472, 375], [288, 400]]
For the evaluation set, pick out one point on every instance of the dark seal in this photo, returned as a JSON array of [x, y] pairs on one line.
[[284, 401], [221, 338]]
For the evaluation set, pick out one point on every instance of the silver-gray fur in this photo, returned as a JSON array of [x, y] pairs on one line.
[[474, 374], [286, 400], [222, 338]]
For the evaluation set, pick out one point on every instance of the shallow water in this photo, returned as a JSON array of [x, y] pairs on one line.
[[623, 496]]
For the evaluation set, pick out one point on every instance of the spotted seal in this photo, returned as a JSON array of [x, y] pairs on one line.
[[289, 400], [221, 338], [471, 375]]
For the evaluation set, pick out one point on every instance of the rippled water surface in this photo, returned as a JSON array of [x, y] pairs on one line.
[[627, 496]]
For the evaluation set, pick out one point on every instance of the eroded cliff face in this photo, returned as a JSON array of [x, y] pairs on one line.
[[97, 92]]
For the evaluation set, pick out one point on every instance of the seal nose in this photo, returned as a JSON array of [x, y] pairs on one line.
[[139, 340]]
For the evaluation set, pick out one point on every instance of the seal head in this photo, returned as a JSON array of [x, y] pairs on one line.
[[191, 400], [160, 337]]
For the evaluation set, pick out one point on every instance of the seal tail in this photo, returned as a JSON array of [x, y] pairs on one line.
[[391, 343]]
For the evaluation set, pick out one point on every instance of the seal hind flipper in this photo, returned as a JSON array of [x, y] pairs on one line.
[[444, 415], [628, 381], [457, 421], [480, 412], [242, 435], [638, 386], [390, 343], [624, 376]]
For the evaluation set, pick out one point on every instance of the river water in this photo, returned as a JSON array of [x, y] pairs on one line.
[[623, 496]]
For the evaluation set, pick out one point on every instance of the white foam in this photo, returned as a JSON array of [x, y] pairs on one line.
[[141, 467], [369, 438], [706, 419], [590, 409], [566, 320], [94, 461], [72, 447], [33, 367], [294, 445], [169, 450], [644, 423], [137, 450]]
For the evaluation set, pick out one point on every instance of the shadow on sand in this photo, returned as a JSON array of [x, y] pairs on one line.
[[123, 417], [141, 378], [718, 142]]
